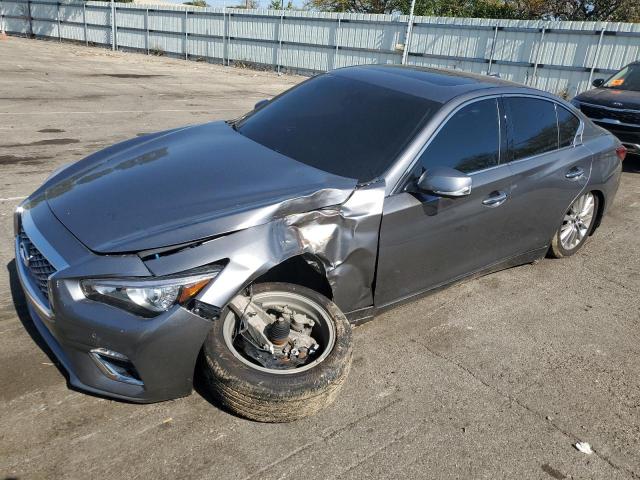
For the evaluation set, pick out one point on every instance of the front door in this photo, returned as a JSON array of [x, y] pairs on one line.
[[428, 240]]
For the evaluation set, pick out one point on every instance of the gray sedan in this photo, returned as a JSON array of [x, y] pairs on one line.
[[242, 251]]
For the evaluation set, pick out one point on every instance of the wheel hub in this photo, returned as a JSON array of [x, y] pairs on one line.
[[281, 334]]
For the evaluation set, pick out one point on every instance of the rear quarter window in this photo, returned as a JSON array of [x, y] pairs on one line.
[[568, 125]]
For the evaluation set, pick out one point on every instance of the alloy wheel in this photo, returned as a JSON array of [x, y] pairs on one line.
[[577, 221]]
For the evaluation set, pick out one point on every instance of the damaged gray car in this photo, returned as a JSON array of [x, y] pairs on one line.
[[244, 250]]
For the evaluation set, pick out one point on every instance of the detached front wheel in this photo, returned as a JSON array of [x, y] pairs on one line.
[[277, 354]]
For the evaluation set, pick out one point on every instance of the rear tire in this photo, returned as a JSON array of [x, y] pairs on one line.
[[577, 225], [263, 396]]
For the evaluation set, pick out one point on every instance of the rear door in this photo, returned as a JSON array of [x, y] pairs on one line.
[[550, 167]]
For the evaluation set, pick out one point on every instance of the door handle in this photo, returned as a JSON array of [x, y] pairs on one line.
[[574, 173], [495, 199]]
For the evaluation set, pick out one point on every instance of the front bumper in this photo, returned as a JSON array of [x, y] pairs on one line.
[[163, 350], [628, 135]]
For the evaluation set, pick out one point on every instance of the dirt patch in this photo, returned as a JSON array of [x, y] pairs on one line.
[[51, 130], [128, 75], [94, 96], [51, 141], [14, 159], [552, 472]]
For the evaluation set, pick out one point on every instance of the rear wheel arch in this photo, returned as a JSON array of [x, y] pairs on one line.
[[600, 212]]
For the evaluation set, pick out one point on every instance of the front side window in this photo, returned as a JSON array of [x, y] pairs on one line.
[[626, 79], [532, 125], [469, 141], [568, 125]]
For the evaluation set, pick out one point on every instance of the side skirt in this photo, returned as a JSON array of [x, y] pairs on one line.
[[358, 317]]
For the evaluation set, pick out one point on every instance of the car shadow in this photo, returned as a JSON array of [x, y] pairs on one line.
[[631, 164], [22, 311], [201, 388], [200, 382]]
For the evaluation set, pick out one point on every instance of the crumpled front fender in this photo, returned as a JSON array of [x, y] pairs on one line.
[[344, 238]]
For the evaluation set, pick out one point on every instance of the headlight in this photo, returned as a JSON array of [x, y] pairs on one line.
[[148, 297]]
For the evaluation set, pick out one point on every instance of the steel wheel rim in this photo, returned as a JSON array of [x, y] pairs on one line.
[[577, 221], [324, 325]]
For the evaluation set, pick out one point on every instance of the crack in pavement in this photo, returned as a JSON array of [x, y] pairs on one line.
[[323, 438], [522, 405]]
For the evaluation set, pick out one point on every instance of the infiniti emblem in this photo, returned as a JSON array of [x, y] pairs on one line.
[[24, 255], [617, 104]]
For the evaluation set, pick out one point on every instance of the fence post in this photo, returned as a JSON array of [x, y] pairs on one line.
[[146, 28], [278, 57], [227, 28], [84, 22], [596, 57], [224, 33], [493, 49], [186, 35], [58, 20], [407, 36], [335, 57], [30, 19], [537, 60], [113, 25]]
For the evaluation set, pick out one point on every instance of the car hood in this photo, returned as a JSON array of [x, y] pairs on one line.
[[184, 185], [610, 97]]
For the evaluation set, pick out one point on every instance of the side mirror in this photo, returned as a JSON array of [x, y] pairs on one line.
[[445, 182], [598, 82], [260, 104]]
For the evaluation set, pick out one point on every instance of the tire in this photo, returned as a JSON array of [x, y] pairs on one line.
[[270, 397], [560, 248]]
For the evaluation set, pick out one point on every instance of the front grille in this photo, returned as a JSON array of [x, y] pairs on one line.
[[37, 264], [624, 116]]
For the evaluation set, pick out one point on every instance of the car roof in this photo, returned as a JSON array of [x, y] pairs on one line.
[[430, 83]]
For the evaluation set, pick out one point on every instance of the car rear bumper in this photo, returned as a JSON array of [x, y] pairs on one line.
[[156, 356]]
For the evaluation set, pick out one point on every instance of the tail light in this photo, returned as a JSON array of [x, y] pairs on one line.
[[621, 151]]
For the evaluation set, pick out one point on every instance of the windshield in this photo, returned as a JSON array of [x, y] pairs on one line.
[[340, 125], [626, 79]]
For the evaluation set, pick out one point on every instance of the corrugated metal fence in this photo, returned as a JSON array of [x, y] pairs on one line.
[[561, 57]]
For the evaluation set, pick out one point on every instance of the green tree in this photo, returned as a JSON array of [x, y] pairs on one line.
[[277, 5], [248, 4], [593, 10], [197, 3]]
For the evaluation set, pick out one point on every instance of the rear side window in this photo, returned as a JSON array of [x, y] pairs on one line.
[[469, 141], [532, 126], [568, 125]]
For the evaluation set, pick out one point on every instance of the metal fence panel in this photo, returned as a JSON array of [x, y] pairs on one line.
[[561, 57]]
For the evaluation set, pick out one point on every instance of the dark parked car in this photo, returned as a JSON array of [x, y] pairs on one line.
[[245, 249], [615, 105]]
